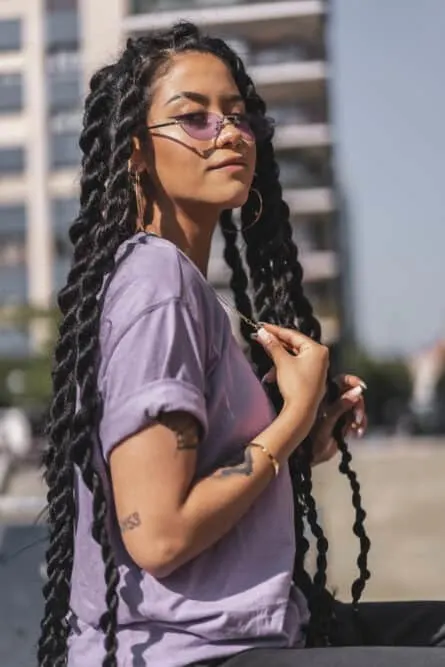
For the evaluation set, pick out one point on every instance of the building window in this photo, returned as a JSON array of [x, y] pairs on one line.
[[12, 219], [10, 35], [299, 170], [146, 6], [65, 151], [64, 212], [11, 92], [142, 6], [13, 286], [295, 174], [313, 234], [60, 5], [62, 30], [13, 282], [278, 53], [64, 81], [289, 113], [323, 296], [12, 160], [13, 272]]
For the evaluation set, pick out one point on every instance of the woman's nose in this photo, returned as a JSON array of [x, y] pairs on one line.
[[229, 134]]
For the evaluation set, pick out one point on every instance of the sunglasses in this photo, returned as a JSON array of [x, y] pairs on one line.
[[206, 125]]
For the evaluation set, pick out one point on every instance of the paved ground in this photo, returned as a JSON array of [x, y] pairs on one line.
[[20, 598], [403, 488]]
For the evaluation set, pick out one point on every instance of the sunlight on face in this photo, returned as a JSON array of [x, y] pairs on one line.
[[216, 171]]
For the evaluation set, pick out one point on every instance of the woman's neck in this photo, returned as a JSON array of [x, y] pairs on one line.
[[192, 238]]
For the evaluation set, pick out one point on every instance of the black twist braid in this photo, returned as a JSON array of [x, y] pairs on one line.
[[271, 245], [359, 530], [307, 323], [277, 275], [238, 284], [300, 576], [275, 272], [359, 584], [58, 469], [118, 224]]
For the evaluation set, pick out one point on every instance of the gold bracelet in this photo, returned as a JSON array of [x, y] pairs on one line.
[[270, 456]]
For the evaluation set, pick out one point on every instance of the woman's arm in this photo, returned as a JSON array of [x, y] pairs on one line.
[[165, 519]]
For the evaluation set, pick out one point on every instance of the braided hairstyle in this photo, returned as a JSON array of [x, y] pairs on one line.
[[276, 278], [115, 112]]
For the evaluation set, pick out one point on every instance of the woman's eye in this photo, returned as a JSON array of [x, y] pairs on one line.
[[199, 119]]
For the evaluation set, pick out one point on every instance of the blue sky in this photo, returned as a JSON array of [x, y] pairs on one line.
[[389, 105]]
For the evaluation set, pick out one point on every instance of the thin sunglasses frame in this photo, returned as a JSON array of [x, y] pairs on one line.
[[179, 120]]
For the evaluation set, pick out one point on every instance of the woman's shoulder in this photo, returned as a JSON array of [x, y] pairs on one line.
[[149, 271]]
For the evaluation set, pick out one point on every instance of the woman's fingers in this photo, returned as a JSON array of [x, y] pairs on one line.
[[347, 381], [289, 337]]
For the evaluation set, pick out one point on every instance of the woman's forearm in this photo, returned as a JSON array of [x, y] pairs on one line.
[[217, 502]]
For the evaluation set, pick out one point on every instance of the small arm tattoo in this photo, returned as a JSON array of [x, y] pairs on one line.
[[243, 467], [130, 522], [185, 428]]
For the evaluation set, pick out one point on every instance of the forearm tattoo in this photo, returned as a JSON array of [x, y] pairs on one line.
[[185, 428], [238, 467], [130, 522]]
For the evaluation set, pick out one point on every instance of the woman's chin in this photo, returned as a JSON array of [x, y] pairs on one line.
[[236, 200]]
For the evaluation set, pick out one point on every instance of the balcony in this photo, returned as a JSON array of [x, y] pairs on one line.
[[63, 183], [12, 62], [310, 201], [316, 135], [264, 21], [330, 329], [300, 81], [13, 129], [319, 266], [13, 188]]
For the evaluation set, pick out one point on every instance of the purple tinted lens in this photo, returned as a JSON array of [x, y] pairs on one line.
[[207, 126], [245, 127], [201, 126]]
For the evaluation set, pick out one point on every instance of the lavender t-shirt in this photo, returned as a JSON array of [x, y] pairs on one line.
[[166, 344]]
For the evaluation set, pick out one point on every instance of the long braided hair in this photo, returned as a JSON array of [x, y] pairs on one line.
[[115, 112]]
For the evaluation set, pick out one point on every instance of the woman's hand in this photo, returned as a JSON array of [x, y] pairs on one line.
[[350, 402], [300, 368]]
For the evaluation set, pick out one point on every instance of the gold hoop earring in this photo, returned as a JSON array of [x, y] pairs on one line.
[[259, 211], [258, 215], [139, 202]]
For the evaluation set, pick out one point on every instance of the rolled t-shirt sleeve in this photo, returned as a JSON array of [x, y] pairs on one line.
[[155, 364]]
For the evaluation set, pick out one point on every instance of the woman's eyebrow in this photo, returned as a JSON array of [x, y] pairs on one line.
[[203, 99]]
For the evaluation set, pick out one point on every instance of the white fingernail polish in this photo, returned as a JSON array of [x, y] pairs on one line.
[[359, 416], [264, 335], [360, 432], [363, 385], [355, 393]]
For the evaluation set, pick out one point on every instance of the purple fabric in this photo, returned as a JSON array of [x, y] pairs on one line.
[[166, 344]]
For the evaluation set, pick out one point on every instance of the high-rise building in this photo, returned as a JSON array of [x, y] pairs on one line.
[[40, 96], [48, 50]]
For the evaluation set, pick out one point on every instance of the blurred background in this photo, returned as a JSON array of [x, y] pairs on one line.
[[354, 87]]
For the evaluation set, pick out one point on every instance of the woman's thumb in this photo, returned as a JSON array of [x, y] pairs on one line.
[[346, 402], [271, 344]]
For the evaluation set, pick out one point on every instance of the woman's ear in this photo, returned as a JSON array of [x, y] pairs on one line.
[[137, 162]]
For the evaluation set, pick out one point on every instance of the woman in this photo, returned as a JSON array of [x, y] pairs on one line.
[[172, 512]]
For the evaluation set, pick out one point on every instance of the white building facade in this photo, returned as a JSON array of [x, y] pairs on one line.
[[48, 51]]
